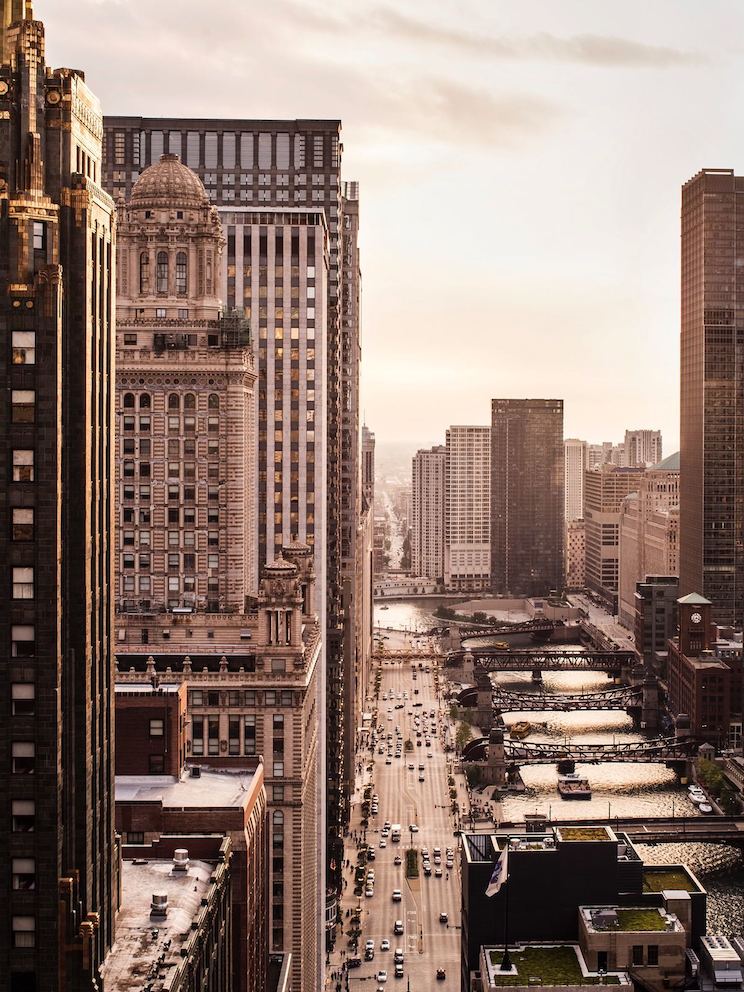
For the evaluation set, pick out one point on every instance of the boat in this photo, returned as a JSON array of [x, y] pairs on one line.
[[520, 730], [698, 800], [705, 808], [574, 786]]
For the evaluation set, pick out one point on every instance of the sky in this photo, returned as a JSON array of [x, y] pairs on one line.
[[520, 166]]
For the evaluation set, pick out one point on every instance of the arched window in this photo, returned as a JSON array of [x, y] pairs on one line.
[[128, 401], [144, 272], [162, 272], [214, 401], [181, 273], [144, 401], [174, 401], [189, 401]]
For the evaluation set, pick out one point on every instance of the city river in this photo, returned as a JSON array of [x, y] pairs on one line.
[[617, 790]]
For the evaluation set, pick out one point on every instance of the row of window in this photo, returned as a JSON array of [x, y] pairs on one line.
[[174, 401], [174, 424], [241, 697], [175, 538], [162, 273], [176, 562]]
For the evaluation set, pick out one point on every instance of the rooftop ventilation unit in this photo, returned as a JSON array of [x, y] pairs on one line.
[[159, 904], [181, 859]]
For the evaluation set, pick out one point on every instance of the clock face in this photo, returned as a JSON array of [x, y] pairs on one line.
[[3, 87], [54, 96], [696, 618]]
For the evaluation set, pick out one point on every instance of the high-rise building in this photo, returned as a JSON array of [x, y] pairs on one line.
[[58, 857], [277, 185], [642, 448], [368, 464], [604, 490], [427, 541], [467, 509], [575, 554], [574, 466], [712, 393], [527, 503]]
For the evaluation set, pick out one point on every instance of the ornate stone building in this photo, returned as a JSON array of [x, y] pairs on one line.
[[185, 406]]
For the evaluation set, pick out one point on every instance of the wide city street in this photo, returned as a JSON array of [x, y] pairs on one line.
[[412, 790]]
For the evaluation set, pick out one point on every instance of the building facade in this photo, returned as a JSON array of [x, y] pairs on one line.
[[574, 466], [656, 619], [527, 501], [604, 490], [642, 448], [575, 554], [467, 509], [59, 860], [427, 538], [712, 393]]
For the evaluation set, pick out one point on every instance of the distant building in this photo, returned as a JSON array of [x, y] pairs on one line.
[[527, 503], [604, 490], [427, 542], [712, 394], [574, 467], [368, 464], [467, 509], [575, 554], [642, 448]]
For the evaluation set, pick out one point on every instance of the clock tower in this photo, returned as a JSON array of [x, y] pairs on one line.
[[694, 624]]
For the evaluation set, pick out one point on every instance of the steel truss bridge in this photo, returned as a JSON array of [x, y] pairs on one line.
[[662, 750], [537, 702], [495, 629], [555, 660]]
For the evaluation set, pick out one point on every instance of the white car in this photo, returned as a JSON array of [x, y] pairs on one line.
[[383, 843], [384, 944], [381, 976], [413, 828], [369, 892], [396, 895]]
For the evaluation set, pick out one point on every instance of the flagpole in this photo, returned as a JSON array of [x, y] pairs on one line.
[[506, 964]]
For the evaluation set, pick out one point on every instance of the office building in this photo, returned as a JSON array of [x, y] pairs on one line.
[[574, 465], [368, 464], [642, 448], [604, 490], [712, 394], [58, 860], [575, 554], [648, 539], [429, 469], [527, 502], [655, 619], [467, 509]]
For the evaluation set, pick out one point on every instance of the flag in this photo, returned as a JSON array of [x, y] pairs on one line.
[[500, 872]]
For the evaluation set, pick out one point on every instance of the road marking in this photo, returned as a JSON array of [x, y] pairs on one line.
[[411, 930]]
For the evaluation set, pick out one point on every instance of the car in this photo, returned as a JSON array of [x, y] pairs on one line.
[[437, 852], [389, 761], [371, 854], [437, 873], [427, 869], [430, 754], [354, 963], [418, 744], [369, 945], [420, 768], [421, 778], [413, 828], [398, 955], [398, 970], [381, 976], [384, 944], [443, 918], [369, 892], [375, 798], [398, 928], [441, 974], [428, 742], [383, 842], [415, 692], [437, 859], [380, 750], [396, 895], [369, 955], [424, 852], [410, 767], [386, 825], [397, 860]]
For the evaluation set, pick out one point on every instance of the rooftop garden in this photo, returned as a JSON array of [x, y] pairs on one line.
[[641, 919], [549, 965], [660, 880], [583, 833]]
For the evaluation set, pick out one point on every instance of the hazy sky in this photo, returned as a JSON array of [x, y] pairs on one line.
[[520, 165]]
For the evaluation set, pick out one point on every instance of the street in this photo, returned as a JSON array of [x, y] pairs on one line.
[[427, 943]]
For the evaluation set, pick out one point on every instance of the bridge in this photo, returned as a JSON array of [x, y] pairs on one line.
[[539, 626], [662, 750], [661, 830], [555, 660], [539, 702]]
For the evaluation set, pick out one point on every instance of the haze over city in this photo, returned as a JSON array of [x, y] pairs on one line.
[[520, 164]]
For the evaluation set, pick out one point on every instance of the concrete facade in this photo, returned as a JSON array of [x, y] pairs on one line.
[[575, 554], [642, 448], [574, 466], [429, 486], [467, 509]]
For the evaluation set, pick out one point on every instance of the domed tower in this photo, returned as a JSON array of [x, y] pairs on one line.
[[185, 378]]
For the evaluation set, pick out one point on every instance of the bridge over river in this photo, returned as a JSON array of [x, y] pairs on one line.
[[504, 701], [661, 830], [497, 751], [539, 660]]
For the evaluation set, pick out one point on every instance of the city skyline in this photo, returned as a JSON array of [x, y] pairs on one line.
[[527, 92]]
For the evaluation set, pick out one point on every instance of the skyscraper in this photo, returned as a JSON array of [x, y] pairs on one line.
[[57, 850], [575, 464], [712, 393], [641, 448], [427, 538], [467, 509], [527, 502]]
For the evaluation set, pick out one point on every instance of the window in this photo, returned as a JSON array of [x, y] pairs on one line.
[[144, 273], [234, 735], [277, 793], [637, 954], [24, 757], [23, 695], [156, 764], [196, 697], [162, 272], [181, 270], [23, 465], [156, 728], [24, 816], [249, 735], [24, 931], [213, 735], [653, 954], [24, 874], [24, 347], [23, 403], [39, 236], [197, 736], [161, 313], [22, 641], [135, 837], [278, 769], [23, 523], [23, 583]]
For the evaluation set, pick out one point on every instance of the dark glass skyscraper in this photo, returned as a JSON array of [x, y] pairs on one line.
[[57, 846], [526, 496], [711, 493]]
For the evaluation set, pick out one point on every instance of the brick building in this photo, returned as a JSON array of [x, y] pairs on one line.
[[58, 854], [151, 723]]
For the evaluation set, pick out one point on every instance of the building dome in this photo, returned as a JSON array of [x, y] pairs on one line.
[[169, 183]]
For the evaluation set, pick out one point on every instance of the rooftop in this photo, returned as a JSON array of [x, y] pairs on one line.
[[141, 940], [668, 464], [694, 599], [663, 879], [210, 789], [556, 965], [599, 919], [584, 834]]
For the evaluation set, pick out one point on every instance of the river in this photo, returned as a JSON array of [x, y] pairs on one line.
[[617, 789]]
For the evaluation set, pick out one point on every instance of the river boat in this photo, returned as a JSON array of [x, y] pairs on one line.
[[705, 808], [697, 799], [520, 730], [574, 786]]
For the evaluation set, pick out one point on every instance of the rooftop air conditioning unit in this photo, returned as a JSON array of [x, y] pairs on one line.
[[159, 904], [195, 771], [180, 859]]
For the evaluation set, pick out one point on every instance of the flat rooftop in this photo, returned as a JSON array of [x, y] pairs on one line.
[[674, 878], [141, 940], [210, 789], [603, 919], [550, 964]]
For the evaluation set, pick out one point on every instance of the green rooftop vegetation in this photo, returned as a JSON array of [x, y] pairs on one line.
[[551, 965], [583, 833], [667, 878], [640, 919]]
